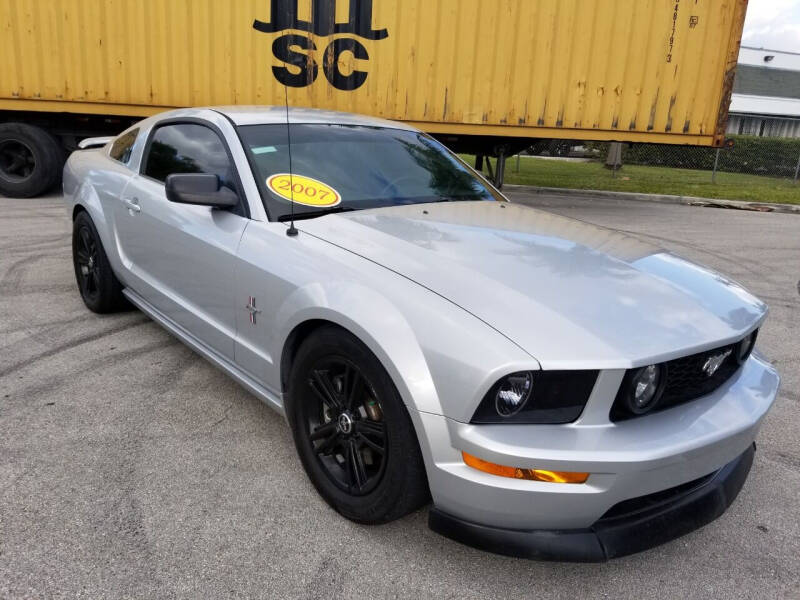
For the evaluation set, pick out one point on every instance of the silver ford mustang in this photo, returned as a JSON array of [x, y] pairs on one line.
[[559, 390]]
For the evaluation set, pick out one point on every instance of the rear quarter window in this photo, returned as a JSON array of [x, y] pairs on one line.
[[122, 148]]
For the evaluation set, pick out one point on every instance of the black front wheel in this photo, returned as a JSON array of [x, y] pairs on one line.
[[99, 287], [352, 431]]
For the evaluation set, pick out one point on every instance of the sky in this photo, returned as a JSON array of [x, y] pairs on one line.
[[773, 24]]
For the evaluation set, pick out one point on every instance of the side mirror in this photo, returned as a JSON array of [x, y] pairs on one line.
[[200, 189]]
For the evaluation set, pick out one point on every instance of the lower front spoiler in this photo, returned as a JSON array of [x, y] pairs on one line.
[[629, 527]]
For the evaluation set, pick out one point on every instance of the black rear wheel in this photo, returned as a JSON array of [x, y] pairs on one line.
[[352, 431], [99, 287]]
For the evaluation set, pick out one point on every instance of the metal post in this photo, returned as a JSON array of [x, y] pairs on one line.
[[614, 157], [479, 163], [797, 169], [716, 164], [501, 171], [518, 165]]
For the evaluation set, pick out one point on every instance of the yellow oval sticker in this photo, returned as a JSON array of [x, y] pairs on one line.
[[304, 190]]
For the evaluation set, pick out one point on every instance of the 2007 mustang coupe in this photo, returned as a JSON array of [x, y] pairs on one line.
[[561, 391]]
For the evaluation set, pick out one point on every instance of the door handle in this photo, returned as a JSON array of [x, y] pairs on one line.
[[132, 204]]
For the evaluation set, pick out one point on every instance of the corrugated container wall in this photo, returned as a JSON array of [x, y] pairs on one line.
[[627, 70]]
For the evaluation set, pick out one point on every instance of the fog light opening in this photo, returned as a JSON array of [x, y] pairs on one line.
[[644, 389], [526, 474]]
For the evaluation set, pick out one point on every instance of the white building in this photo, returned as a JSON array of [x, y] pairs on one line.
[[766, 95]]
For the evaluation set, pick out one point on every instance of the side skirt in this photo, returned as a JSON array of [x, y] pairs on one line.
[[219, 361]]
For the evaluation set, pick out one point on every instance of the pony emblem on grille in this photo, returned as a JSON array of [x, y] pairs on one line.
[[715, 362]]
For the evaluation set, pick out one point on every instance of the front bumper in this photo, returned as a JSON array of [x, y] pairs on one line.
[[627, 460], [634, 526]]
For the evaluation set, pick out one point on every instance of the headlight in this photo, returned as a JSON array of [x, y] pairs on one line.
[[512, 394], [644, 389], [745, 347], [537, 397]]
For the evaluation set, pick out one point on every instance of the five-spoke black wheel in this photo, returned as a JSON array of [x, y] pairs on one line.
[[87, 270], [99, 287], [346, 426], [352, 431]]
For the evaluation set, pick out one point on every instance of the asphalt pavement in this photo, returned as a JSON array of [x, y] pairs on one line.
[[130, 467]]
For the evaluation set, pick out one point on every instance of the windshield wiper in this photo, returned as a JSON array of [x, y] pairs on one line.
[[313, 214], [302, 216]]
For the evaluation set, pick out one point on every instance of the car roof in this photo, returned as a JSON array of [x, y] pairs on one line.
[[272, 115], [269, 115]]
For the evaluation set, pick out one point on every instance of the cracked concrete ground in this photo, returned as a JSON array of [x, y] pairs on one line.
[[129, 467]]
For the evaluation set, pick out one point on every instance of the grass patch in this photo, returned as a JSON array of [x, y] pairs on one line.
[[649, 180]]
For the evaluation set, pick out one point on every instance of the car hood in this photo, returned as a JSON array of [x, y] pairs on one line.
[[571, 294]]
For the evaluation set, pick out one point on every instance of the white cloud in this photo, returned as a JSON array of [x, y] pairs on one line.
[[773, 24]]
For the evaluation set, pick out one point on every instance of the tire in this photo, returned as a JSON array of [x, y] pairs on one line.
[[99, 287], [31, 160], [393, 483]]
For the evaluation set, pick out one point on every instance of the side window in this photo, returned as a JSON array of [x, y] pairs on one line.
[[122, 147], [188, 148]]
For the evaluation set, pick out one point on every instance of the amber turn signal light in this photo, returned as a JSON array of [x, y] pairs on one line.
[[528, 474]]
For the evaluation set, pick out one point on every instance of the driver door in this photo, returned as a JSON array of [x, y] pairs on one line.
[[183, 257]]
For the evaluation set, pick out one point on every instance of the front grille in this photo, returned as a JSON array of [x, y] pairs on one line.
[[686, 380]]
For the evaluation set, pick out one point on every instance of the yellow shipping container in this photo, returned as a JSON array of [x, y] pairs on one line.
[[625, 70]]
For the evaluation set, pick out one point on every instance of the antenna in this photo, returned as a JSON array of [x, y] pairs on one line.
[[292, 231]]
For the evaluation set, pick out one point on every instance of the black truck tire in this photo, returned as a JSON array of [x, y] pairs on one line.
[[31, 160]]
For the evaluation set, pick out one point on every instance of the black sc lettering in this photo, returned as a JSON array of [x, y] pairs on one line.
[[285, 49], [332, 69]]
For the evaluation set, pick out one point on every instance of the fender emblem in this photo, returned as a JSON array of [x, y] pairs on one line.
[[251, 308], [715, 362]]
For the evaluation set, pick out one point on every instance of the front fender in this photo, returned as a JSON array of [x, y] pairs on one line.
[[441, 359]]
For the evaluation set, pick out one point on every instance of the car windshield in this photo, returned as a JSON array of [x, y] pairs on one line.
[[344, 167]]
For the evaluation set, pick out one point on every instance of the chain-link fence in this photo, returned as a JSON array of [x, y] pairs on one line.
[[767, 157], [753, 168]]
